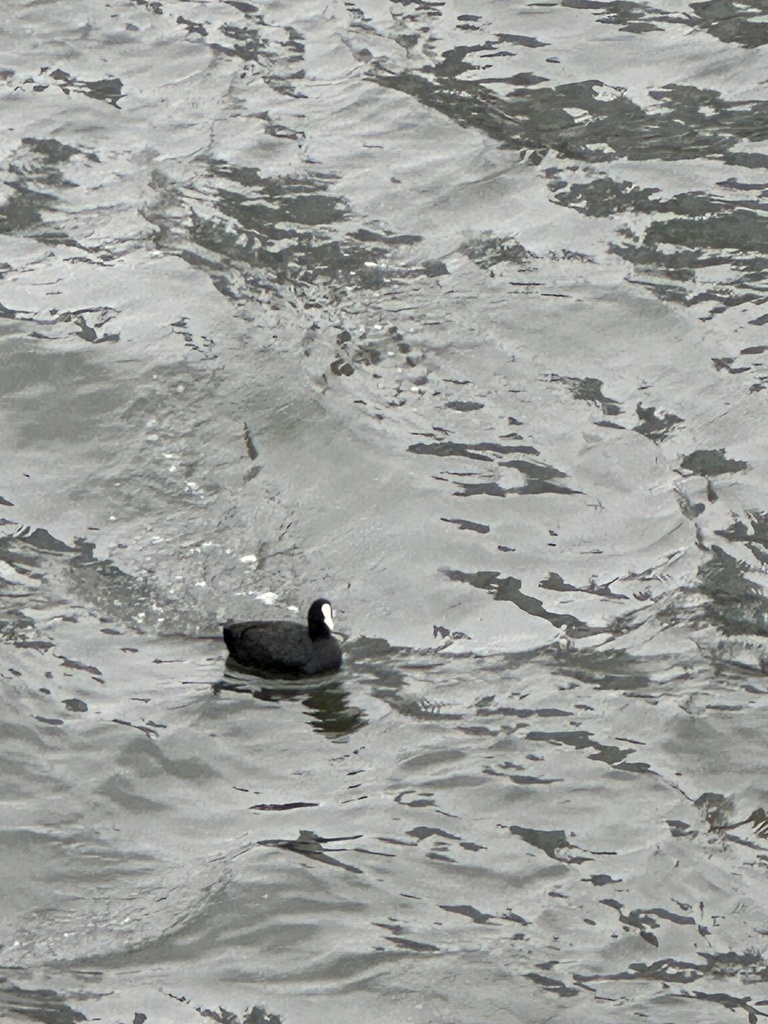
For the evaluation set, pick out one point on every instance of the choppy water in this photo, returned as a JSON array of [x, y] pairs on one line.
[[452, 314]]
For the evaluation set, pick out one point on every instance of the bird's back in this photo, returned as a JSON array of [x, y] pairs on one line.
[[269, 646]]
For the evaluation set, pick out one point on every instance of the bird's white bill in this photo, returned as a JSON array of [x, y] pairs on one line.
[[327, 616]]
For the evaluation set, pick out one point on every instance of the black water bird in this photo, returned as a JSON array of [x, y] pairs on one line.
[[286, 650]]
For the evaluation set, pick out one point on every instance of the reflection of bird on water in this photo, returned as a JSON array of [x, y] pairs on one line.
[[285, 649], [327, 704]]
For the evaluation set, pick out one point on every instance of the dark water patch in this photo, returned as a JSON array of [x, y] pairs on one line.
[[655, 425], [415, 798], [733, 22], [267, 51], [250, 447], [645, 922], [601, 880], [42, 540], [354, 352], [510, 915], [553, 843], [674, 253], [580, 739], [539, 478], [482, 451], [488, 250], [680, 828], [518, 779], [467, 524], [290, 227], [602, 196], [192, 27], [265, 202], [35, 177], [16, 626], [735, 604], [485, 707], [708, 226], [552, 985], [27, 550], [689, 233], [278, 54], [467, 911], [529, 42], [34, 645], [522, 449], [247, 43], [535, 471], [88, 323], [92, 670], [309, 844], [434, 268], [629, 15], [727, 363], [711, 462], [753, 534], [453, 634], [727, 1002], [590, 389], [685, 122], [42, 1006], [466, 21], [554, 581], [376, 655], [667, 970], [149, 731], [464, 406], [75, 704], [283, 807], [538, 485], [454, 61], [508, 588], [469, 490], [718, 807], [704, 112], [527, 78], [718, 810], [729, 963], [256, 1015], [412, 944], [109, 90], [607, 670], [341, 368], [386, 237], [427, 831]]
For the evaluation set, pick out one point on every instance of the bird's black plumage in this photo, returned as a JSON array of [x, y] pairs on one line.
[[286, 650]]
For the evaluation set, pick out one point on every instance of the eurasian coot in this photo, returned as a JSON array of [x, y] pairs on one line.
[[287, 649]]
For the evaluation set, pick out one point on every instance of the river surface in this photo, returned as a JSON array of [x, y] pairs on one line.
[[453, 313]]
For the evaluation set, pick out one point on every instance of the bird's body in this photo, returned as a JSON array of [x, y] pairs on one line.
[[286, 650]]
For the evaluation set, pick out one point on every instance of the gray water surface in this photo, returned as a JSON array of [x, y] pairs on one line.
[[453, 315]]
